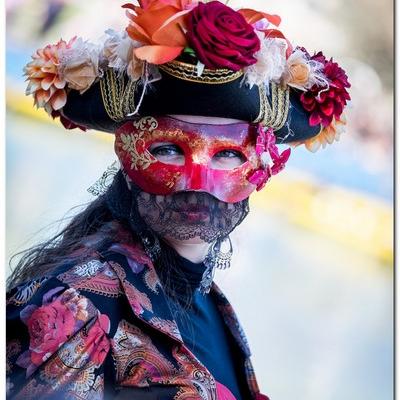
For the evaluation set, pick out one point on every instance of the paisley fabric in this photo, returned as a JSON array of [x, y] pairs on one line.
[[102, 329]]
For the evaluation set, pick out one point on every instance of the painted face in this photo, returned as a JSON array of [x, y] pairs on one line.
[[164, 155]]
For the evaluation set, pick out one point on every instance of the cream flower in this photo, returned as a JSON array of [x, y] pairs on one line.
[[80, 65], [302, 73], [297, 71]]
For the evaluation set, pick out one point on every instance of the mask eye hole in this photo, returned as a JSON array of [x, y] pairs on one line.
[[228, 159], [167, 153]]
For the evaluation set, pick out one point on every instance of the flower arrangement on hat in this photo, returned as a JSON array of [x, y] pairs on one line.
[[209, 34]]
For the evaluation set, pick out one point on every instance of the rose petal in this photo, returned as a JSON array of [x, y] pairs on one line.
[[131, 6], [136, 32], [68, 124], [151, 21], [47, 82], [104, 323], [286, 154], [253, 16], [170, 32], [33, 86], [326, 120], [256, 177], [312, 145], [42, 97], [327, 108], [59, 83], [39, 74], [158, 54], [58, 100], [315, 119]]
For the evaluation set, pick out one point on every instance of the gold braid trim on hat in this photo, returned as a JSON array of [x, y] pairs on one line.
[[188, 72], [118, 98], [273, 115]]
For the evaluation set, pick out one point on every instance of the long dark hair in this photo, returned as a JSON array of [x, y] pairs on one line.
[[37, 261], [115, 204]]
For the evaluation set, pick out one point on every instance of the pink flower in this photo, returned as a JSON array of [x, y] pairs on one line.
[[221, 37], [327, 102], [45, 82], [268, 152], [97, 343], [49, 326]]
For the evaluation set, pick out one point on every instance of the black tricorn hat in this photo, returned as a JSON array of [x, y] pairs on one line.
[[115, 99]]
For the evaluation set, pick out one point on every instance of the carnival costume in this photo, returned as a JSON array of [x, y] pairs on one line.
[[133, 319]]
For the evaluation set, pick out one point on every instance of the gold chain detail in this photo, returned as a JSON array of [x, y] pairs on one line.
[[273, 115], [265, 108], [118, 99], [188, 72], [282, 100]]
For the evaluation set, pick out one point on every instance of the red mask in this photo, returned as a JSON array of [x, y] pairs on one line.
[[199, 143]]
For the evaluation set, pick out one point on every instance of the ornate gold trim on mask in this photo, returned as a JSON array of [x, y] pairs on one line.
[[273, 115], [188, 72], [118, 97], [131, 141]]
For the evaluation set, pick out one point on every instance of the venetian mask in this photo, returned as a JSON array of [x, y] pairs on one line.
[[164, 155]]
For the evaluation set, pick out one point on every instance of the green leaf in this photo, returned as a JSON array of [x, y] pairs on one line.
[[190, 51]]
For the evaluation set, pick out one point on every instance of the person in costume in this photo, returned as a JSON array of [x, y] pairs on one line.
[[122, 304]]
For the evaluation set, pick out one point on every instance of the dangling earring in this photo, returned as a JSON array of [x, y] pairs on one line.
[[216, 258]]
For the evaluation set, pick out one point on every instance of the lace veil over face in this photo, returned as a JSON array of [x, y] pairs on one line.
[[186, 215]]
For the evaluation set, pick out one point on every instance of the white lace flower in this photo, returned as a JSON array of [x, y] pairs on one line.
[[118, 51], [271, 62], [80, 65]]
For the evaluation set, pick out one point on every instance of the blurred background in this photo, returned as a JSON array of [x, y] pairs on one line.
[[313, 267]]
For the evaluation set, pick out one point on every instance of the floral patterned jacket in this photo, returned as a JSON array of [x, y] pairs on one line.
[[102, 330]]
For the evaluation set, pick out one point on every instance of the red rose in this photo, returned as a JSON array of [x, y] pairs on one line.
[[221, 37]]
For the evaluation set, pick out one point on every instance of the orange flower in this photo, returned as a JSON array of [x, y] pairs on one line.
[[298, 71], [327, 136], [160, 26], [80, 74], [45, 82]]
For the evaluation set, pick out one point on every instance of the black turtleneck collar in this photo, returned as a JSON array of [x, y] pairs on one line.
[[192, 272], [181, 278]]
